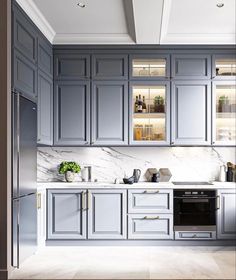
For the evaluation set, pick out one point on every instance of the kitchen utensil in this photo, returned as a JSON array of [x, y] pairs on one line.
[[136, 175]]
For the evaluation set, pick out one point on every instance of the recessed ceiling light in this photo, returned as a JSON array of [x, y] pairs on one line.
[[81, 5], [220, 5]]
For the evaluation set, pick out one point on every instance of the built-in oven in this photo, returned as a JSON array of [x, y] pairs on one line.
[[195, 214]]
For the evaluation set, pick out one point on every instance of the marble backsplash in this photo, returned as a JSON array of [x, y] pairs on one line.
[[185, 163]]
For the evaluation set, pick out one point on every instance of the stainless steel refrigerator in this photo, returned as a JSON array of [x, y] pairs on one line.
[[24, 172]]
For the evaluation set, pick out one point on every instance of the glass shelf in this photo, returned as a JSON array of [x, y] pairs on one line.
[[149, 67], [151, 124], [225, 113], [225, 67]]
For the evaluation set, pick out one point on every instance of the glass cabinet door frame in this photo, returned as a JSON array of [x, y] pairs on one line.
[[214, 141], [221, 56], [133, 142], [151, 56]]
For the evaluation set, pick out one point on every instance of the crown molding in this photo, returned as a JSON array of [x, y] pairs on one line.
[[38, 18], [96, 38]]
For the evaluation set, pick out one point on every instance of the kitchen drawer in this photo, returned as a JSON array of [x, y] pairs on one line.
[[155, 226], [150, 201], [190, 235]]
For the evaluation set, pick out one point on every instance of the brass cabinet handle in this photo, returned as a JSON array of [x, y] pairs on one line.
[[89, 199], [155, 191], [218, 202], [151, 218], [39, 197], [83, 200]]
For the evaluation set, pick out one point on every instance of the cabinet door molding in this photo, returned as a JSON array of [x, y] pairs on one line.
[[109, 113], [192, 66], [226, 214], [107, 214], [110, 67], [71, 113], [191, 113], [66, 215], [45, 109], [45, 56]]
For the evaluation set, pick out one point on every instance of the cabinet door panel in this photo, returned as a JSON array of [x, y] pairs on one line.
[[226, 215], [191, 66], [45, 58], [150, 201], [66, 217], [110, 67], [110, 113], [45, 109], [155, 226], [71, 113], [25, 76], [191, 113], [107, 214], [24, 36], [70, 67]]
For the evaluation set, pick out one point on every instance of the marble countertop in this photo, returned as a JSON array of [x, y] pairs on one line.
[[145, 185]]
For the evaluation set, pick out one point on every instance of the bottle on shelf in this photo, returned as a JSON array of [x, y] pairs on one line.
[[136, 105], [140, 104], [144, 105]]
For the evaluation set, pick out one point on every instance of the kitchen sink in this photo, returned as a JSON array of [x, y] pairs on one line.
[[192, 183]]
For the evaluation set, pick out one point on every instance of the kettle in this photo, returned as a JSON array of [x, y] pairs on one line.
[[136, 175]]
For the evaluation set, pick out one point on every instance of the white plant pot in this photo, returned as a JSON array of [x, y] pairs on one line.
[[69, 176]]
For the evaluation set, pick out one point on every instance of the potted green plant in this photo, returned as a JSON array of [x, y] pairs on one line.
[[159, 104], [223, 104], [69, 168]]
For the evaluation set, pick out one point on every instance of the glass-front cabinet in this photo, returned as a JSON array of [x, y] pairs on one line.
[[224, 113], [149, 67], [224, 66], [150, 112]]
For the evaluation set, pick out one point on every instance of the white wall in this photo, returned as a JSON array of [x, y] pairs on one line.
[[185, 163]]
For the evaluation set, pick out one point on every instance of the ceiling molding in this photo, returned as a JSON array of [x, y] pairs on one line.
[[129, 16], [38, 18], [190, 38], [96, 38]]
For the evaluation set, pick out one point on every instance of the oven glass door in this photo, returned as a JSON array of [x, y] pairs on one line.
[[194, 211]]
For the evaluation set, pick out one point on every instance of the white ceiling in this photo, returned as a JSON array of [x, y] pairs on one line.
[[134, 21]]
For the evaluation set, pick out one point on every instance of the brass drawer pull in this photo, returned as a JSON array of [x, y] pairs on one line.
[[39, 204], [151, 218], [83, 200], [146, 191]]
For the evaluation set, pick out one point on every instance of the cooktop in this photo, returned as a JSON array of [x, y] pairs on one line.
[[192, 183]]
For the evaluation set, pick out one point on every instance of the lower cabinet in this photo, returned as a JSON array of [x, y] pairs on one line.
[[226, 215], [150, 226], [107, 214], [66, 216]]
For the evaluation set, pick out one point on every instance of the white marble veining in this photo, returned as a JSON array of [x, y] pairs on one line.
[[185, 163]]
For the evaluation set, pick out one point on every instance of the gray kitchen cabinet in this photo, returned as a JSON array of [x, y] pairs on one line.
[[24, 35], [150, 226], [109, 113], [191, 113], [66, 214], [71, 113], [224, 66], [226, 214], [71, 66], [45, 56], [110, 67], [107, 214], [150, 201], [45, 109], [24, 76], [191, 66]]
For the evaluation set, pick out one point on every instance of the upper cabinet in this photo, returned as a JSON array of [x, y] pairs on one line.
[[192, 66], [191, 117], [71, 113], [224, 67], [149, 113], [151, 67], [110, 67], [45, 56], [24, 36], [109, 113], [71, 66], [224, 113]]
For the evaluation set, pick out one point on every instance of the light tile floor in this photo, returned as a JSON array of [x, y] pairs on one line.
[[108, 262]]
